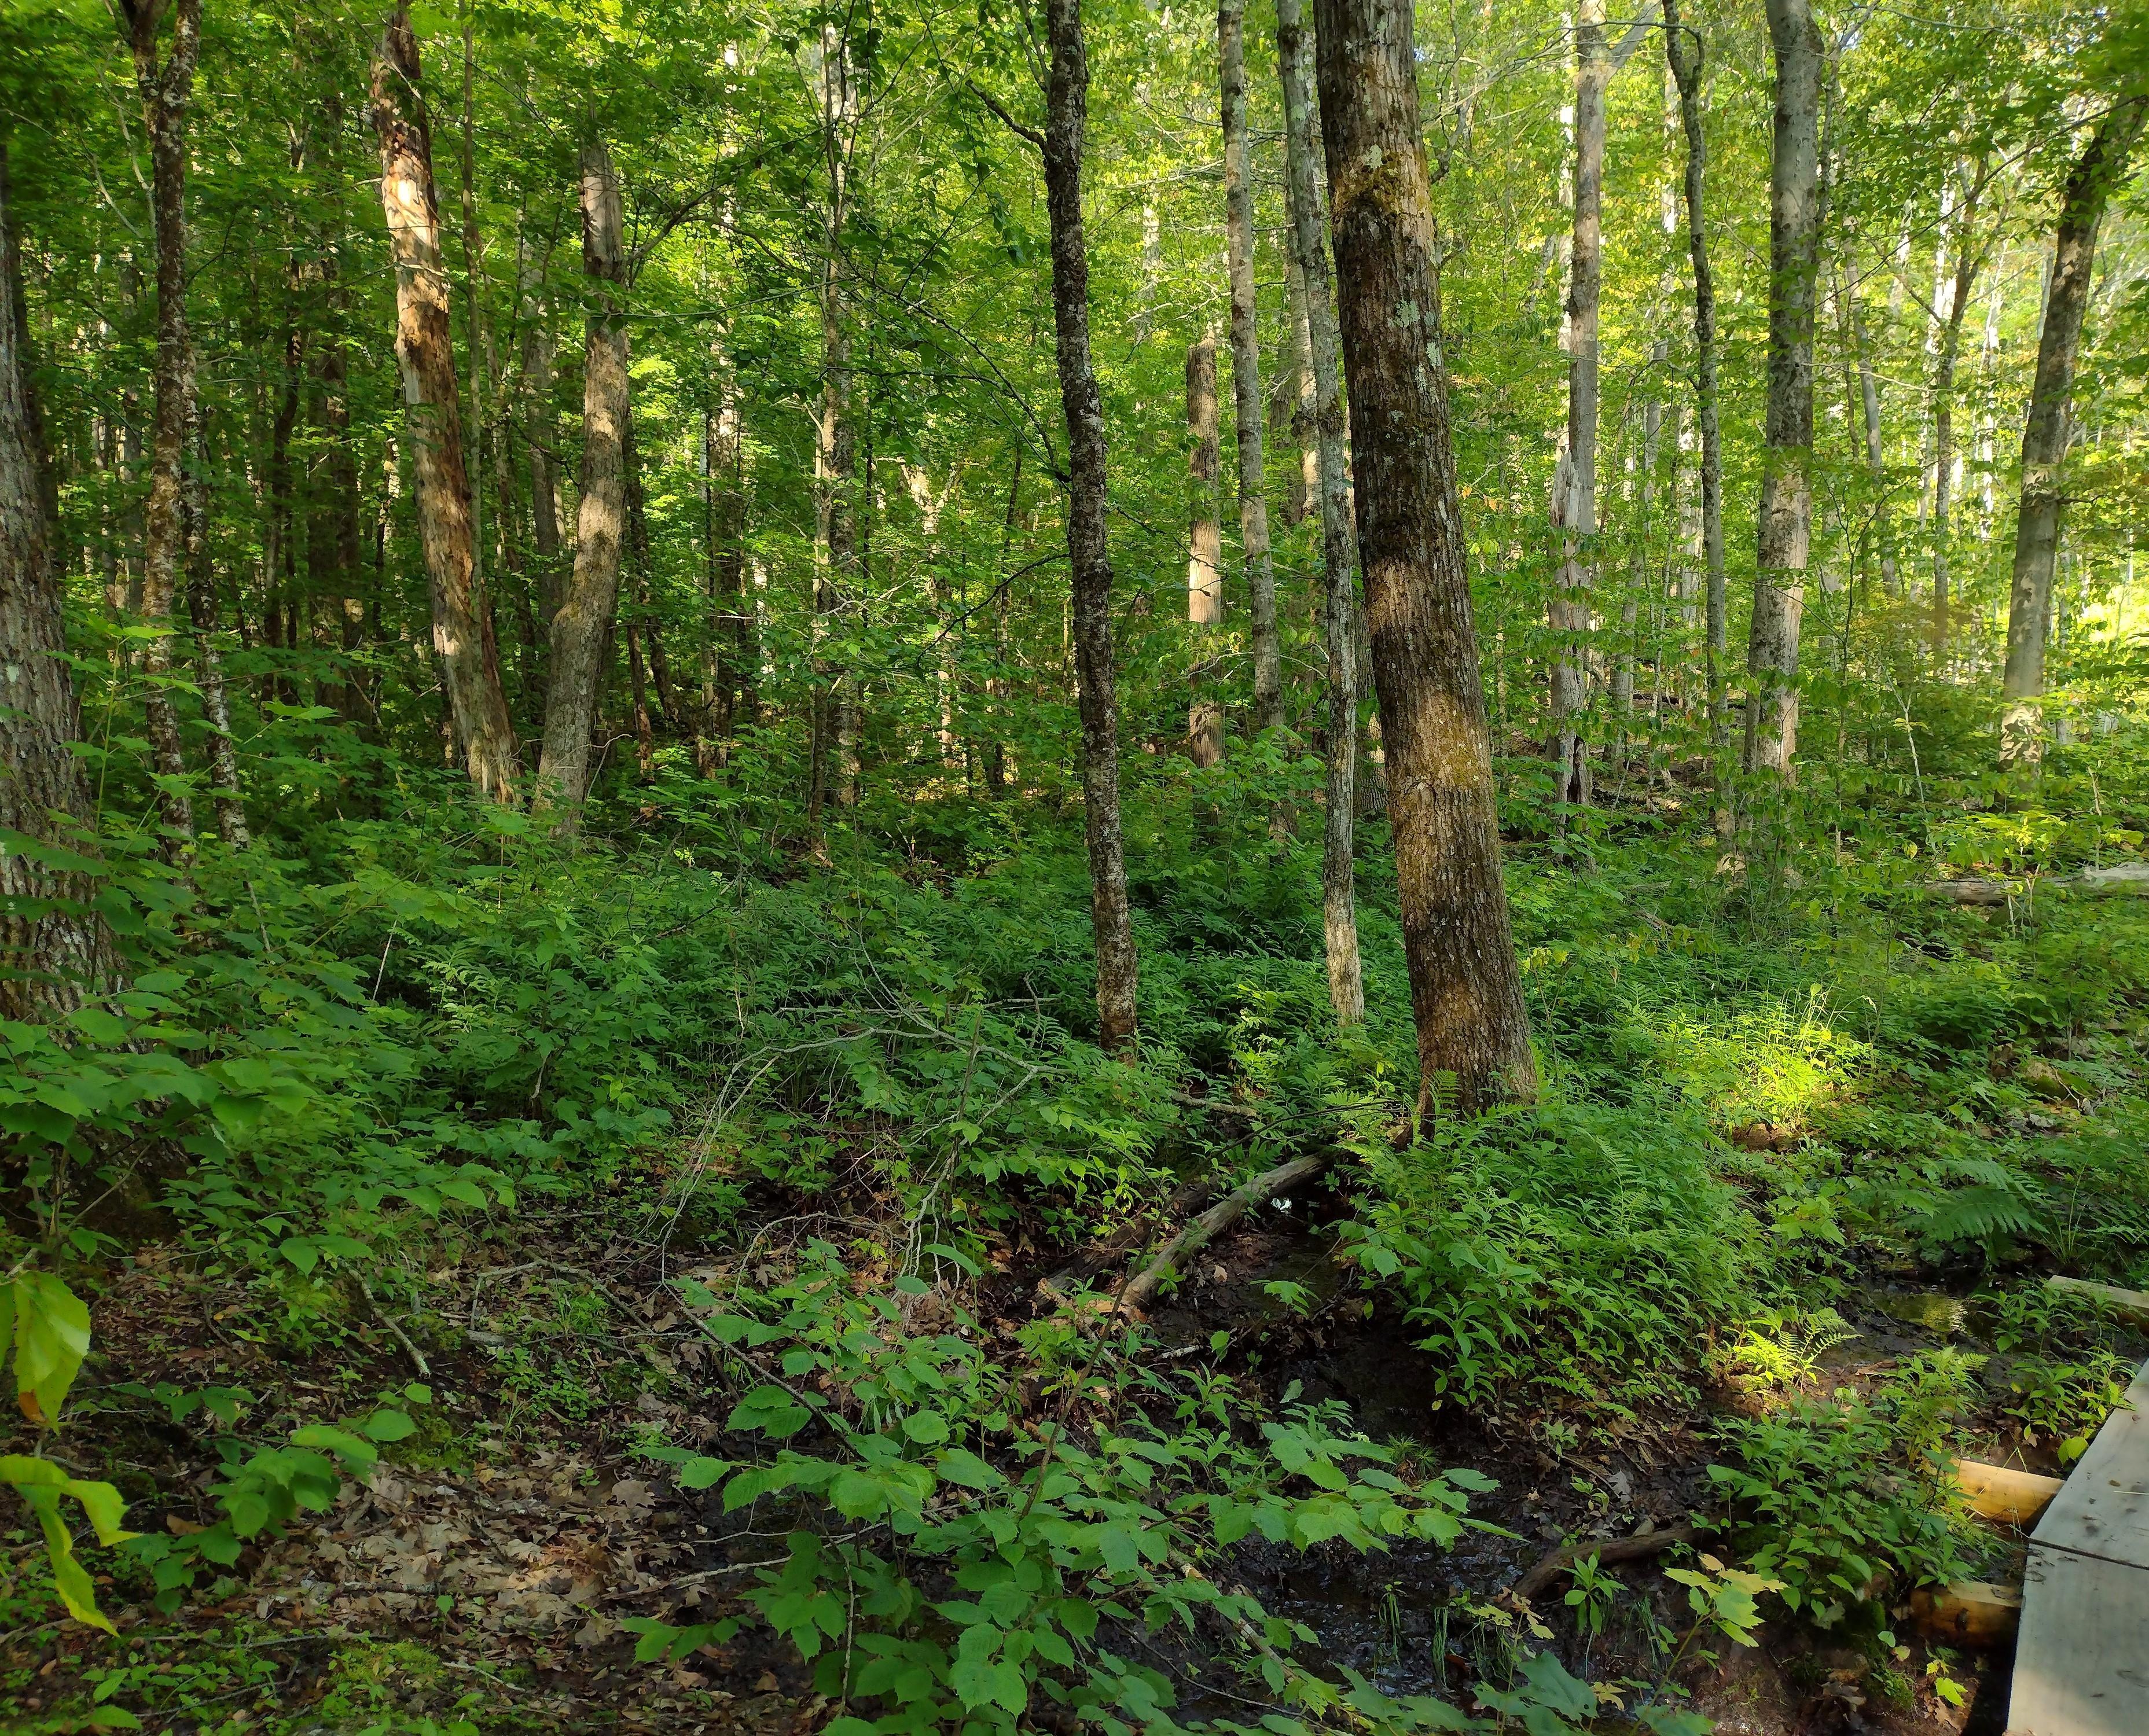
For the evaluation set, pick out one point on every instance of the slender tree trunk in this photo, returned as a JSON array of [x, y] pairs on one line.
[[1067, 102], [1684, 47], [583, 626], [279, 559], [1346, 991], [996, 685], [1772, 650], [1290, 396], [1967, 258], [1853, 323], [424, 351], [539, 435], [1466, 988], [834, 768], [732, 609], [1205, 573], [1574, 494], [209, 655], [55, 949], [1246, 366], [165, 94], [332, 544], [2101, 167]]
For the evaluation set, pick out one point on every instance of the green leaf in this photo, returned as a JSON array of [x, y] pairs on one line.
[[52, 1337], [385, 1425]]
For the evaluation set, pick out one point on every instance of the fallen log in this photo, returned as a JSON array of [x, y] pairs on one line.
[[1063, 1284], [2133, 1303], [1969, 1612], [2124, 878], [1609, 1551], [2014, 1497], [1219, 1217]]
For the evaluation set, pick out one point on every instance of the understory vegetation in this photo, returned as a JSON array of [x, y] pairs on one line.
[[718, 1015]]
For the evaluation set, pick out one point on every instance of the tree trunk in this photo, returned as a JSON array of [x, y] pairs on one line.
[[1466, 989], [731, 608], [2044, 433], [582, 626], [55, 949], [1574, 492], [1067, 102], [1853, 323], [165, 94], [1772, 650], [1683, 46], [1205, 576], [425, 352], [1346, 991], [209, 655], [1291, 395], [1967, 258], [1246, 366], [540, 435], [332, 544], [834, 768]]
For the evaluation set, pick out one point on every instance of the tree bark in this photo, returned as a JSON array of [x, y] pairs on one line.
[[1346, 991], [1967, 259], [1246, 366], [834, 770], [425, 353], [1205, 575], [1291, 395], [2045, 431], [55, 949], [165, 94], [539, 435], [1067, 101], [1682, 46], [1772, 650], [1876, 459], [1466, 988], [209, 655], [1574, 490], [582, 626]]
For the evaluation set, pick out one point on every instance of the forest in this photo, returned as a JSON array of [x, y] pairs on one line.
[[874, 867]]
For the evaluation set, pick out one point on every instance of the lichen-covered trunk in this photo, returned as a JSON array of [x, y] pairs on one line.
[[583, 626], [55, 949], [1779, 593], [2101, 167], [1204, 572], [209, 655], [1309, 250], [1683, 47], [1967, 258], [1466, 987], [165, 92], [1067, 101], [1574, 491], [1246, 366], [833, 773], [425, 354], [1291, 394]]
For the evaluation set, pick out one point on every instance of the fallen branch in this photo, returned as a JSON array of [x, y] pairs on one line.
[[1219, 1217], [1608, 1553]]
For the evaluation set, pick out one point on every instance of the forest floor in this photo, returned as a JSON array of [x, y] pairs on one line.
[[481, 1580]]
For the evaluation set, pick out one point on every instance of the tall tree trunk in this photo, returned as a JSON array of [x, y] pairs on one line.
[[1346, 991], [1683, 46], [996, 684], [2101, 167], [1246, 365], [1205, 573], [583, 626], [1967, 259], [730, 617], [332, 544], [1574, 493], [55, 949], [209, 655], [1852, 322], [1291, 395], [425, 352], [279, 551], [539, 435], [1779, 595], [1466, 988], [834, 768], [1067, 102], [165, 94]]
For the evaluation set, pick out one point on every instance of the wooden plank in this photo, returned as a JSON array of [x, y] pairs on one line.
[[2104, 1509], [1969, 1612], [2013, 1498], [2081, 1664], [2133, 1303]]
